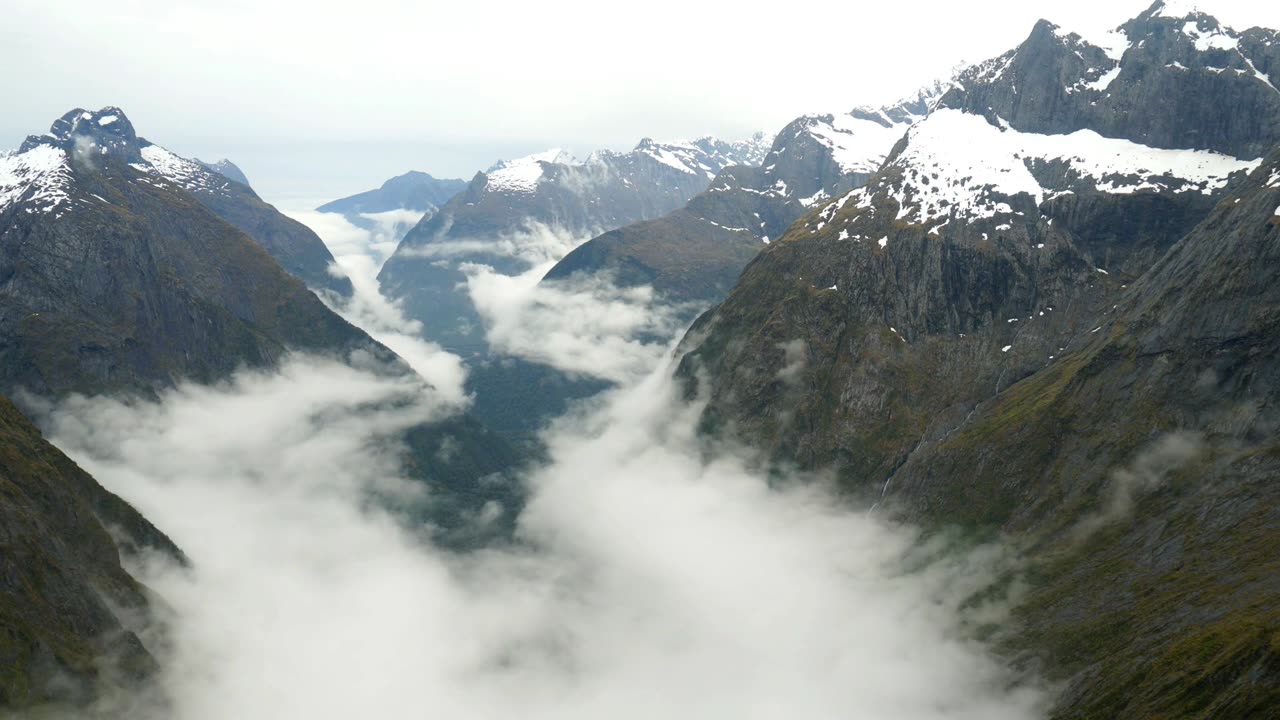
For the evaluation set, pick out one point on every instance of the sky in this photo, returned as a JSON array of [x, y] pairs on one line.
[[318, 100]]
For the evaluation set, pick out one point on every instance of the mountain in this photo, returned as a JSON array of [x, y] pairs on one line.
[[226, 169], [1054, 291], [65, 600], [972, 230], [115, 279], [394, 209], [413, 190], [109, 132], [528, 211], [696, 253], [1144, 465]]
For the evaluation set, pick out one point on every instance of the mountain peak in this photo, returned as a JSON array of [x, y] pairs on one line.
[[107, 130], [226, 169]]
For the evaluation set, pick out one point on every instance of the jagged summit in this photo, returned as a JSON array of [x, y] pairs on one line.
[[911, 108], [108, 131], [57, 174], [1157, 80]]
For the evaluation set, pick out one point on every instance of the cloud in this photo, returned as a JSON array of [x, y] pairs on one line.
[[585, 326], [1150, 469], [84, 152], [359, 254], [536, 244], [652, 580], [796, 359], [377, 239]]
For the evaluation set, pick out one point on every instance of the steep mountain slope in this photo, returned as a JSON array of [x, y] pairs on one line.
[[411, 191], [1144, 464], [532, 210], [65, 601], [109, 132], [114, 279], [974, 255], [226, 169], [695, 254]]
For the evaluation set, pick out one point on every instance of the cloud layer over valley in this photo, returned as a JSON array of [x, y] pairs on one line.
[[650, 580]]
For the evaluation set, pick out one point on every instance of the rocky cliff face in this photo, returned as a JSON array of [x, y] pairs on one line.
[[1141, 466], [1157, 80], [976, 253], [107, 136], [1059, 282], [70, 616]]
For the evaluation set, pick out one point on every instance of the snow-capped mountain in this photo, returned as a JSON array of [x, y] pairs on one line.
[[38, 177], [697, 252], [117, 278], [1000, 230], [1071, 256], [121, 276], [531, 210]]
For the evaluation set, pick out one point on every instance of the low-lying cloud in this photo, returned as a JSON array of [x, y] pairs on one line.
[[360, 254], [651, 580], [583, 326], [1149, 471], [536, 244]]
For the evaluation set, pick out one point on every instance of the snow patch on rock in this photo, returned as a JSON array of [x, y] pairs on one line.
[[39, 178], [959, 164], [188, 174]]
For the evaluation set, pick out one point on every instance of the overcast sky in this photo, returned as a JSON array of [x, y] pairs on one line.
[[317, 100]]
